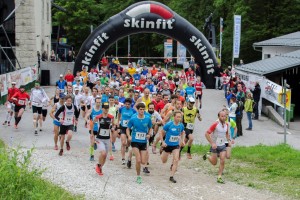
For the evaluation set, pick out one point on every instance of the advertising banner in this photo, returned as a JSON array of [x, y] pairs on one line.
[[168, 50], [34, 72], [237, 35], [26, 75], [3, 84], [181, 53], [14, 77]]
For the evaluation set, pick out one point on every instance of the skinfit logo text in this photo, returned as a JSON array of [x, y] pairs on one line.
[[142, 23]]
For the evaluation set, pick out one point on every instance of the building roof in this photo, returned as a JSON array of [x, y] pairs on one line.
[[274, 64], [292, 40]]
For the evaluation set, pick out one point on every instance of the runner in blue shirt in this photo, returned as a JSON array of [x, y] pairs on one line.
[[125, 113], [174, 132], [190, 91], [92, 113], [141, 126]]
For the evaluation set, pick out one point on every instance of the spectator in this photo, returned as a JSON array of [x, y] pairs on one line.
[[186, 65], [249, 110], [256, 97], [44, 56], [52, 56], [217, 74]]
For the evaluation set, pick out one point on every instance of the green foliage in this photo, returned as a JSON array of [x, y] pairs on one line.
[[261, 20], [276, 168], [18, 182]]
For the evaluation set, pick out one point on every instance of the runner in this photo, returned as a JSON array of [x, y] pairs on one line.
[[172, 132], [56, 123], [61, 84], [94, 127], [145, 99], [189, 114], [156, 122], [199, 86], [20, 104], [141, 126], [38, 97], [232, 130], [9, 103], [69, 111], [217, 135], [169, 106], [113, 110], [190, 91], [125, 113], [85, 103], [44, 113], [105, 122], [77, 103]]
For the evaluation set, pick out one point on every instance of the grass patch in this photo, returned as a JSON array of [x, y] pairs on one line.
[[275, 168], [18, 182]]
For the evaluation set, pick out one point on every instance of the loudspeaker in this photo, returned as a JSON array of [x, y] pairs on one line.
[[45, 77]]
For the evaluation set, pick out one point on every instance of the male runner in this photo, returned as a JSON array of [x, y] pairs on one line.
[[9, 104], [141, 126], [145, 99]]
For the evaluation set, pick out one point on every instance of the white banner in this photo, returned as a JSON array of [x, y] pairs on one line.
[[26, 76], [14, 77], [3, 84], [237, 35], [34, 72], [181, 53], [168, 49]]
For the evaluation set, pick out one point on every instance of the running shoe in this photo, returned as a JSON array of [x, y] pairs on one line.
[[8, 123], [55, 147], [220, 180], [75, 129], [36, 132], [92, 158], [189, 156], [4, 123], [68, 146], [61, 152], [145, 170], [95, 146], [113, 148], [123, 162], [205, 156], [99, 170], [129, 164], [154, 149], [139, 180], [111, 158], [41, 129], [172, 179], [15, 126]]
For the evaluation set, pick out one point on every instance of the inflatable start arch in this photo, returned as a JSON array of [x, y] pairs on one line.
[[148, 17]]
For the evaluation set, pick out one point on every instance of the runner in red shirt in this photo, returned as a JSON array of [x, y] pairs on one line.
[[157, 99], [162, 103], [69, 77], [20, 101], [199, 86], [9, 104]]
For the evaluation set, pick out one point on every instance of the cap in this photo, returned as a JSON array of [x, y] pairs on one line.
[[191, 99], [61, 75], [37, 83], [163, 77], [62, 95], [126, 78], [22, 86], [116, 97], [13, 82], [105, 105], [76, 88]]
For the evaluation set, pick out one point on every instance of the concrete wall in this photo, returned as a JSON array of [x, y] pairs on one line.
[[56, 68], [276, 50], [33, 30]]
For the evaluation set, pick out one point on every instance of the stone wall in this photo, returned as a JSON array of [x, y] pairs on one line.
[[56, 68]]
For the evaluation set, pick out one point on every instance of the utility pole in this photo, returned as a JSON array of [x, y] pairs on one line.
[[284, 109]]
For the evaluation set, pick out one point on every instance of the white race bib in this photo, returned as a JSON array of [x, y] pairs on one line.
[[125, 123], [177, 83], [62, 90], [69, 119], [21, 102], [190, 95], [104, 132], [140, 136], [220, 141], [190, 126], [198, 92], [174, 139]]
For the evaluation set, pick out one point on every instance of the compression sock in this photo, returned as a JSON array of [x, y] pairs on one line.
[[189, 149], [18, 120], [9, 118], [91, 150]]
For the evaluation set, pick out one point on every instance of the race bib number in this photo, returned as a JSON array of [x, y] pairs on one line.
[[190, 95], [69, 119], [177, 83], [125, 123], [21, 102], [104, 132], [174, 139], [140, 136], [198, 93], [190, 126], [220, 142], [62, 90]]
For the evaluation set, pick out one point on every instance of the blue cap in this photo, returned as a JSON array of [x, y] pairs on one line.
[[116, 97], [62, 95]]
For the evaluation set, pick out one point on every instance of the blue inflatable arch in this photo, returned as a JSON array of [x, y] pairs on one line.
[[148, 17]]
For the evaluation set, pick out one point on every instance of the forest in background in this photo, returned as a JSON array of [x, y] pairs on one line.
[[261, 20]]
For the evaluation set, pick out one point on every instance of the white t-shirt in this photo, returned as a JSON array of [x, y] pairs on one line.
[[232, 110]]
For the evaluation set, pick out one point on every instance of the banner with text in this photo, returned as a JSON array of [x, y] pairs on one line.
[[168, 49], [3, 84], [237, 35], [26, 76], [14, 77], [181, 53]]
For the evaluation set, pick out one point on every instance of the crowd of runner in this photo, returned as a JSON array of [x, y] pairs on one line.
[[143, 107]]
